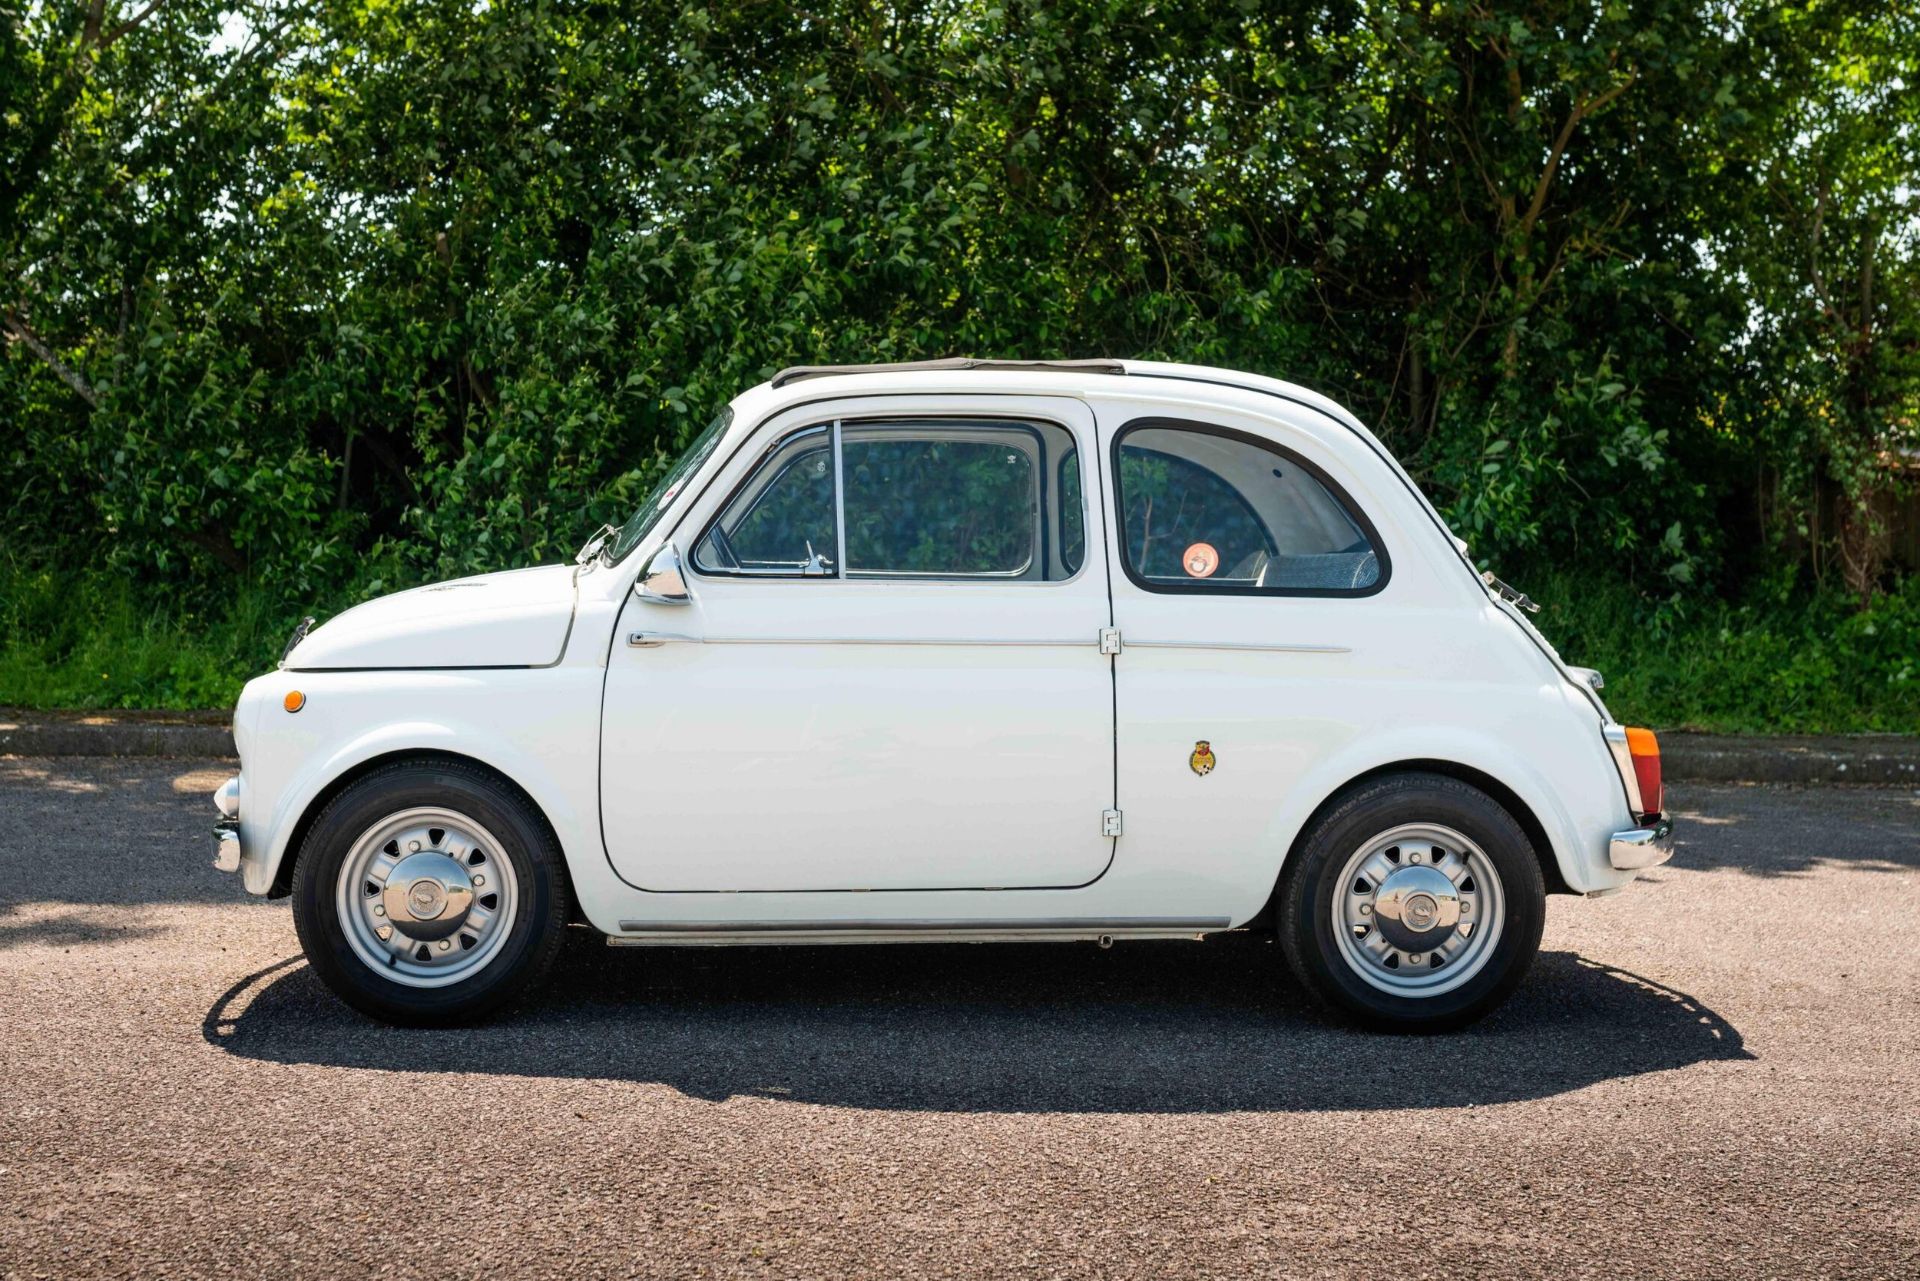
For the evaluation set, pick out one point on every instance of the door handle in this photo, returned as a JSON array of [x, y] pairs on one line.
[[650, 640]]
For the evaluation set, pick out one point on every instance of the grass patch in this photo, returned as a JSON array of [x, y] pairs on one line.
[[91, 638], [80, 638], [1802, 664]]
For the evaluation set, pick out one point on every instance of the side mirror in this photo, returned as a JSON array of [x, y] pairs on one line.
[[662, 581]]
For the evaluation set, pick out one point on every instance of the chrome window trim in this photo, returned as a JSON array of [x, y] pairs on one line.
[[839, 505]]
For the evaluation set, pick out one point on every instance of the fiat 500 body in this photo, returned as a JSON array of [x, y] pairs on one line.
[[962, 650]]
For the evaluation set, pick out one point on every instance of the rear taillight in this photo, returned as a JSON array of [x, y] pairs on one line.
[[1645, 749]]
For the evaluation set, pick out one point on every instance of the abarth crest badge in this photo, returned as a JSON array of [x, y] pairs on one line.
[[1202, 758]]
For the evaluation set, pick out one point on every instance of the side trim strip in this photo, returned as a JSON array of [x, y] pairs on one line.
[[641, 640], [646, 640], [930, 924], [1130, 643]]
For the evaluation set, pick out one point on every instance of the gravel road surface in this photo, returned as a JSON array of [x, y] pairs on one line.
[[1711, 1075]]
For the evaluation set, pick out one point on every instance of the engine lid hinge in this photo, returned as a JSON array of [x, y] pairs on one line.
[[1109, 640], [1110, 822]]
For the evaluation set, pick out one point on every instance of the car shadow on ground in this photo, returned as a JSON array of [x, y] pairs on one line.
[[1145, 1027]]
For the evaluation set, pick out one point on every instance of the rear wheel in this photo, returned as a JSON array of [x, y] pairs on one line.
[[429, 892], [1415, 903]]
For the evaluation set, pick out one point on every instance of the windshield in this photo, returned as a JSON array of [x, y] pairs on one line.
[[643, 520]]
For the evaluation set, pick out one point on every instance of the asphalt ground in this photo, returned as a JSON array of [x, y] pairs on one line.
[[1712, 1074]]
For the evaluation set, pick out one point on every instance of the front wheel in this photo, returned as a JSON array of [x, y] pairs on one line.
[[1416, 904], [429, 892]]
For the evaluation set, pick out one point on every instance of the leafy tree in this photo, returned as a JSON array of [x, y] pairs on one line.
[[328, 296]]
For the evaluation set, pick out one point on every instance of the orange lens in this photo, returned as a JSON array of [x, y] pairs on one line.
[[1645, 750], [294, 700]]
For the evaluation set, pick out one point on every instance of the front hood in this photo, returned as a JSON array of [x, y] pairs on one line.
[[517, 619]]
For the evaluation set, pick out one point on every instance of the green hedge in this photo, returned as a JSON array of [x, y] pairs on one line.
[[82, 638]]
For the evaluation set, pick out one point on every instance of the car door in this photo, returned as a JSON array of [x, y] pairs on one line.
[[1243, 593], [889, 675]]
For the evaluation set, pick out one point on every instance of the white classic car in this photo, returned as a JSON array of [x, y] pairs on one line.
[[956, 650]]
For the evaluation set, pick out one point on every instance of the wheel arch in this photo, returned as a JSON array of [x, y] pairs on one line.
[[1502, 794], [283, 874]]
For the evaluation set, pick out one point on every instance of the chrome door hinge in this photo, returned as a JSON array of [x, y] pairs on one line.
[[1109, 822], [1109, 640]]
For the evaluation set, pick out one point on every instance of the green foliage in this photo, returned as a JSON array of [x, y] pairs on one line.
[[306, 299], [93, 639], [1761, 664]]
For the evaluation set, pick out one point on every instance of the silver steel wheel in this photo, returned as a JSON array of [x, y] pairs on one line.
[[426, 897], [1418, 910]]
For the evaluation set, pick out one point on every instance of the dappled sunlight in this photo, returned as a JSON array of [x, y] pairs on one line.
[[37, 773], [1795, 832], [198, 781], [1704, 820]]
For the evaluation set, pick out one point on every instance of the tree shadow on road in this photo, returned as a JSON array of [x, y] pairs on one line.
[[1793, 831], [1146, 1027]]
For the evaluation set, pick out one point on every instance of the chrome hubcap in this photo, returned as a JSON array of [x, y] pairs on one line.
[[426, 897], [1413, 903], [1418, 911]]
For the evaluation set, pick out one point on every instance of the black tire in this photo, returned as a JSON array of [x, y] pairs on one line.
[[533, 936], [1305, 915]]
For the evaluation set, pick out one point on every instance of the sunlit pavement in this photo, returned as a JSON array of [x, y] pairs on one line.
[[1710, 1074]]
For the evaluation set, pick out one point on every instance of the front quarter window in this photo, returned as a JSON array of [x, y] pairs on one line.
[[656, 503]]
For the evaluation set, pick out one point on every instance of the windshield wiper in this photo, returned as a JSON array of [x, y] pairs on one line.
[[1512, 595], [593, 545]]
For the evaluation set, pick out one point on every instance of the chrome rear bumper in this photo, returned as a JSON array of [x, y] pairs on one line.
[[1642, 847]]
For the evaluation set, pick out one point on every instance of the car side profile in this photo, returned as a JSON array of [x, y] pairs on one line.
[[956, 650]]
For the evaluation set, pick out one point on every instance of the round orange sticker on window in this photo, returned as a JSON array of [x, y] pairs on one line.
[[1200, 560]]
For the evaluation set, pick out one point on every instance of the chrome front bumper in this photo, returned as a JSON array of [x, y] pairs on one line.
[[226, 845], [1642, 847], [226, 833]]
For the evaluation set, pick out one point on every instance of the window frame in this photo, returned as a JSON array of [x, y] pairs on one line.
[[767, 455], [1030, 423], [1200, 586]]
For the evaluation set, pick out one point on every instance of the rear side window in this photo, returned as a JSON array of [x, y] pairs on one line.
[[1207, 510]]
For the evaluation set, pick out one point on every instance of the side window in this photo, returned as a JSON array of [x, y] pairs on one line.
[[780, 523], [923, 498], [1073, 520], [942, 499], [1204, 510]]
